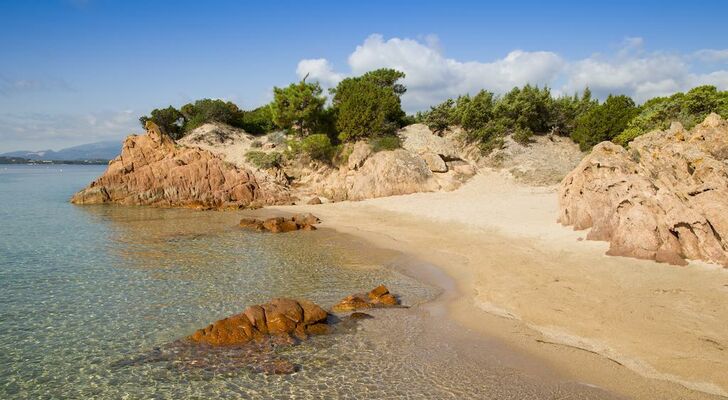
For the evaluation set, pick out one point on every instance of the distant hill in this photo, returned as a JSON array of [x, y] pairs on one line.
[[92, 151]]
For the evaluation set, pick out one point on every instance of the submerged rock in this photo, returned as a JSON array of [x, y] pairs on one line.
[[304, 222], [153, 170], [283, 317], [666, 198], [377, 297]]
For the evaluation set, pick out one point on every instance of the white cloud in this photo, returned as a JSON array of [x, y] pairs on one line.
[[431, 77], [712, 55], [19, 85], [320, 70], [63, 130]]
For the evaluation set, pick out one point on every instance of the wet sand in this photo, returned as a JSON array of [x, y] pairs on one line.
[[551, 304]]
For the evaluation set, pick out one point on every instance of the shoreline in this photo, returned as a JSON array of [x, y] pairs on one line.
[[490, 296]]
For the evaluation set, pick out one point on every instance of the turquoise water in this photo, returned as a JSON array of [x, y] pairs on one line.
[[88, 293], [83, 287]]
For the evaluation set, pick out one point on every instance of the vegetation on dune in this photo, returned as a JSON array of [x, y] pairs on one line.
[[688, 108], [208, 110], [604, 121], [298, 107], [264, 160], [368, 107], [390, 142], [169, 120]]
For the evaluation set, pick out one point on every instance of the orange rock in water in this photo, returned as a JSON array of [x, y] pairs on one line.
[[279, 317], [377, 297], [351, 303], [280, 224], [378, 291]]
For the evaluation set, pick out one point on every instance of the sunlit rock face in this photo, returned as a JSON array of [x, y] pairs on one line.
[[153, 170], [665, 198]]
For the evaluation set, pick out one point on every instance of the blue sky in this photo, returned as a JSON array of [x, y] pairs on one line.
[[80, 71]]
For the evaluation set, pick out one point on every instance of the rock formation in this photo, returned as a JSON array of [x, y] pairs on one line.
[[377, 297], [666, 198], [153, 170], [281, 316], [304, 222]]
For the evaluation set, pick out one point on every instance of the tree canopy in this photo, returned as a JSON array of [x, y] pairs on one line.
[[298, 107], [369, 105]]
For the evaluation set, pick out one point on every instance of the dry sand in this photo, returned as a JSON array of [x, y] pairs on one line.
[[642, 329]]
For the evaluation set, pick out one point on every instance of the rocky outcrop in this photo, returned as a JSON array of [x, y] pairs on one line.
[[666, 198], [419, 139], [287, 317], [377, 297], [153, 170], [304, 222]]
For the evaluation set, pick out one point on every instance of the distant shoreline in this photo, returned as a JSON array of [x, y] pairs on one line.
[[26, 161]]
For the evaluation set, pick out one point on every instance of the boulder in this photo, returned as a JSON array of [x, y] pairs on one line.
[[377, 297], [152, 170], [279, 317], [419, 139], [389, 173], [314, 201], [665, 199], [359, 153], [304, 221], [434, 162]]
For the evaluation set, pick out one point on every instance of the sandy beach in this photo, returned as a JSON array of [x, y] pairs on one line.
[[634, 327]]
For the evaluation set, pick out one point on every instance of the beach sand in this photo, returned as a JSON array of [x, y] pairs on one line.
[[634, 327]]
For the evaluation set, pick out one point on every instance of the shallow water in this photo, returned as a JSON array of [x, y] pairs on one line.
[[85, 288]]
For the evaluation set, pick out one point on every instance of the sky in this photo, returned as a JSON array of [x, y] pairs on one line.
[[80, 71]]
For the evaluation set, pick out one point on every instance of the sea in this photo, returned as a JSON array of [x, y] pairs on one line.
[[95, 299]]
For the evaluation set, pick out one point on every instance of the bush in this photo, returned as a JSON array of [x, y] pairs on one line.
[[207, 110], [687, 108], [475, 113], [440, 117], [298, 107], [493, 143], [318, 147], [264, 160], [522, 135], [604, 122], [169, 120], [382, 143], [259, 120], [369, 105]]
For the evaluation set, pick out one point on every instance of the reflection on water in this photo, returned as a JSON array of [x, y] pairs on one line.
[[91, 298]]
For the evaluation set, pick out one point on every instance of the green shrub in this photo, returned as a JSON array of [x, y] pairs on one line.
[[208, 110], [522, 135], [604, 122], [318, 147], [169, 120], [688, 108], [264, 160], [389, 142], [368, 105], [440, 117], [298, 107], [259, 120], [493, 143]]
